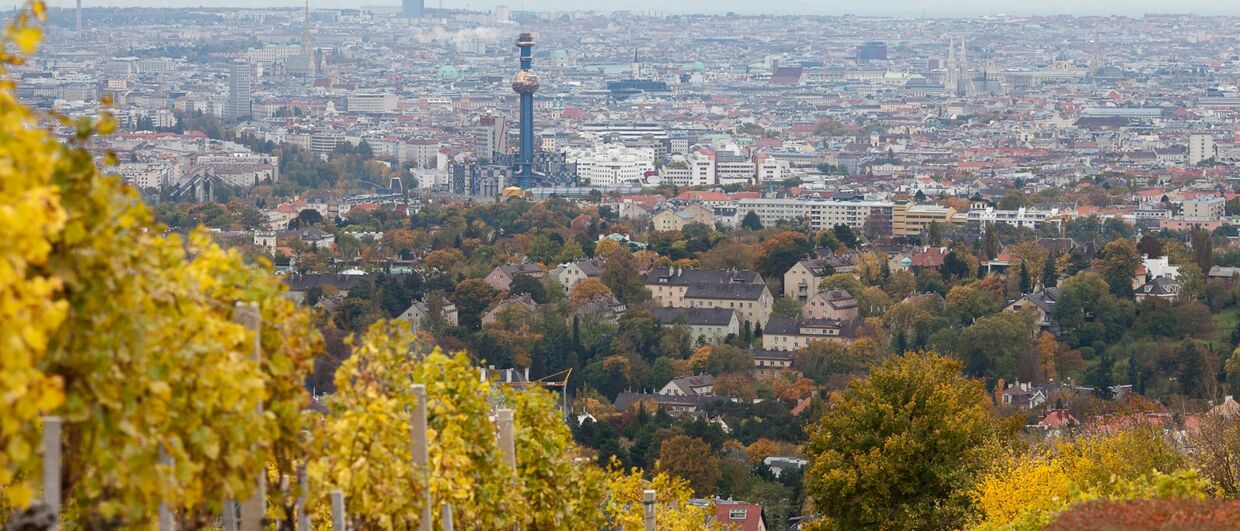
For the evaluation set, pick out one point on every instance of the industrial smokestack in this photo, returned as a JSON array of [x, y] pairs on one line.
[[79, 16], [525, 84]]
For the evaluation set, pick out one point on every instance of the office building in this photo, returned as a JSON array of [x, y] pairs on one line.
[[239, 98], [373, 102], [413, 8], [914, 220]]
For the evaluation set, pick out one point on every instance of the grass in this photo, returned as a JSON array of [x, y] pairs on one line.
[[1224, 322]]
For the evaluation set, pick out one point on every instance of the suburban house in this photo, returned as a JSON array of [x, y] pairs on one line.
[[928, 258], [739, 516], [1024, 395], [802, 279], [1055, 422], [767, 363], [1158, 288], [669, 220], [700, 385], [780, 464], [833, 304], [573, 272], [676, 405], [1041, 302], [419, 314], [753, 302], [743, 291], [300, 285], [667, 285], [1225, 274], [789, 333], [521, 300], [605, 307], [711, 324], [501, 277]]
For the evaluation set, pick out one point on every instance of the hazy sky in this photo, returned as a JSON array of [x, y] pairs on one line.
[[828, 7]]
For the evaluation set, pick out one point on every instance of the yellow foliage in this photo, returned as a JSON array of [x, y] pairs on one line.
[[623, 501], [1029, 490], [128, 335], [31, 218]]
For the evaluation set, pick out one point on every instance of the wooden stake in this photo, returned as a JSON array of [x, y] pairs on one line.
[[421, 456], [51, 466], [165, 513], [254, 508], [303, 491], [337, 511], [506, 443], [230, 515], [446, 516], [648, 508]]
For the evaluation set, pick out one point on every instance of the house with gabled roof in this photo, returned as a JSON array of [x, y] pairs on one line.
[[1042, 302], [832, 304], [697, 385], [573, 272], [791, 333], [501, 277], [711, 325], [420, 314]]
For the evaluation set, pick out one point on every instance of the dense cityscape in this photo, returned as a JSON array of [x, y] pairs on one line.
[[804, 272]]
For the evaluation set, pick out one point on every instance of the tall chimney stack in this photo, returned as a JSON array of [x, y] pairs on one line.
[[525, 84], [79, 16]]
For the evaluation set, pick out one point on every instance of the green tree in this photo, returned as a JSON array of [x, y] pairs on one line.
[[1192, 282], [1087, 312], [751, 221], [845, 235], [993, 347], [527, 284], [472, 297], [1203, 249], [621, 277], [1050, 274], [934, 236], [990, 242], [1118, 265], [901, 448], [785, 307], [780, 252]]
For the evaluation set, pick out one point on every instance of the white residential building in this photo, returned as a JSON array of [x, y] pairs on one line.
[[819, 214], [611, 164], [701, 169], [1200, 148], [145, 175], [1031, 218], [373, 102]]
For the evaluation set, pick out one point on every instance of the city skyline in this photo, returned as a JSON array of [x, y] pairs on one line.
[[898, 8]]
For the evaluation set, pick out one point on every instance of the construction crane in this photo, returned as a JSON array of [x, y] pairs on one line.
[[553, 381], [560, 380]]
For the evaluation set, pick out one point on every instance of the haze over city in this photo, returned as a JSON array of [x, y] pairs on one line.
[[904, 8]]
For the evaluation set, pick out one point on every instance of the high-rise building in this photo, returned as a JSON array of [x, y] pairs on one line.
[[1200, 148], [239, 101], [413, 8]]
